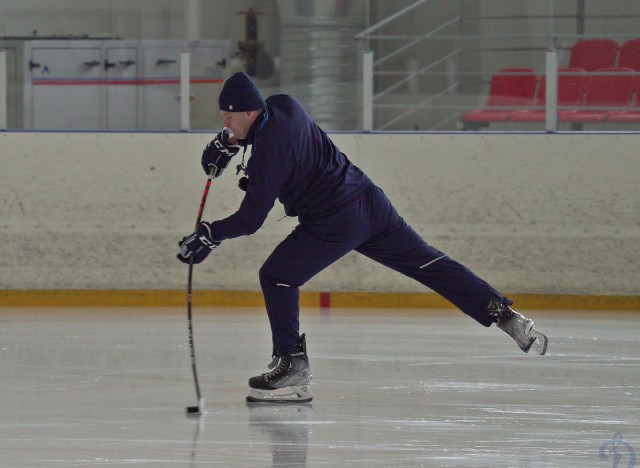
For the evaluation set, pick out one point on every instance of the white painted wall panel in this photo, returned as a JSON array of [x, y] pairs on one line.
[[531, 213]]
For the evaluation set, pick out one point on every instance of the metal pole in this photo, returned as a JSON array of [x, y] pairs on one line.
[[185, 71], [551, 90], [580, 17], [192, 15], [367, 91], [3, 90]]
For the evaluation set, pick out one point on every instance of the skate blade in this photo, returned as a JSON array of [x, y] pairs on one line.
[[540, 343], [539, 340], [293, 394]]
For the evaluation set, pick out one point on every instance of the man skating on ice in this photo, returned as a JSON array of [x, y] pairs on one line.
[[339, 209]]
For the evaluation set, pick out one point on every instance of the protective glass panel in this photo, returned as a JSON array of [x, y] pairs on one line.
[[427, 65]]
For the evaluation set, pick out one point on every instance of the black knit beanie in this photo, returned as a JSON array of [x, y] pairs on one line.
[[240, 94]]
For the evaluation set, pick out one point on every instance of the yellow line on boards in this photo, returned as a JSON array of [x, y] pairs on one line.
[[338, 299]]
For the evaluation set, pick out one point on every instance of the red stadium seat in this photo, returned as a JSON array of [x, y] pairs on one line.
[[594, 54], [631, 115], [630, 58], [602, 90], [509, 88], [630, 55], [571, 83]]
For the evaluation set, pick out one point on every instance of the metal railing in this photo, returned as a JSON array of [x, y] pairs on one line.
[[371, 67], [386, 103]]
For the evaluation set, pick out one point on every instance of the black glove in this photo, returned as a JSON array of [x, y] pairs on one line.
[[197, 245], [218, 153]]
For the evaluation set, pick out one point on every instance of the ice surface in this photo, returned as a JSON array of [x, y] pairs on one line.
[[108, 387]]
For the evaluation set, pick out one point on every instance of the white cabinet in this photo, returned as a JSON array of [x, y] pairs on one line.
[[65, 91], [118, 85], [162, 91], [121, 72]]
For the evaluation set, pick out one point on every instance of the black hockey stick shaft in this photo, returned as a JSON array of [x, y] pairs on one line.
[[205, 194], [191, 342]]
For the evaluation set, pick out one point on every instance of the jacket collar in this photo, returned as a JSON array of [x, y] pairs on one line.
[[257, 125]]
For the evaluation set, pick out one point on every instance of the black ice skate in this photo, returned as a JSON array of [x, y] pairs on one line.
[[287, 382], [519, 327]]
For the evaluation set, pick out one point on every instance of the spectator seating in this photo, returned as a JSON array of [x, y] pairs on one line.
[[600, 78], [630, 54], [594, 54], [510, 88], [632, 115], [571, 83], [629, 57], [610, 87]]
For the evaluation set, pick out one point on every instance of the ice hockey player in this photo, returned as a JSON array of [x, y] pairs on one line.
[[339, 209]]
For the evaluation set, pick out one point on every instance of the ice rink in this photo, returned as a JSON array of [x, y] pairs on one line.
[[392, 388]]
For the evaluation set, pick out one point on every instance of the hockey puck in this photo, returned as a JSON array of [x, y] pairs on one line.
[[193, 409]]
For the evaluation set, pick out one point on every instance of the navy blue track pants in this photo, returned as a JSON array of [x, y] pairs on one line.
[[371, 226]]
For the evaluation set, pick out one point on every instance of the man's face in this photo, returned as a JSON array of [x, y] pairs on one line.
[[239, 122]]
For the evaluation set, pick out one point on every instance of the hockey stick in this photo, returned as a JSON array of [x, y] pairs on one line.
[[200, 408]]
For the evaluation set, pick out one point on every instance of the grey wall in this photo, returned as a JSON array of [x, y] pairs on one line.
[[135, 19]]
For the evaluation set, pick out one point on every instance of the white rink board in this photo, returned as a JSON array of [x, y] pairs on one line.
[[530, 213]]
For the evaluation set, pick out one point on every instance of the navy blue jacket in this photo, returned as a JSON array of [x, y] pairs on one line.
[[294, 161]]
